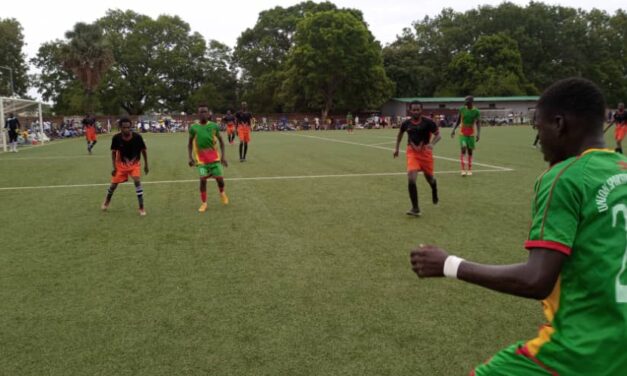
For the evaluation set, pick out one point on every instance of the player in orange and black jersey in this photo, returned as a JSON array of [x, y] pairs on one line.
[[243, 118], [422, 135], [126, 148]]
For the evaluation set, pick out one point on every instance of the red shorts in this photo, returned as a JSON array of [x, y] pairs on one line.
[[243, 132], [420, 160], [90, 135], [230, 129], [122, 172], [620, 132]]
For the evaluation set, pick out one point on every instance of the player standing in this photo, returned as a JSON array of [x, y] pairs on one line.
[[243, 118], [577, 247], [203, 153], [126, 148], [620, 119], [229, 120], [469, 119], [13, 126]]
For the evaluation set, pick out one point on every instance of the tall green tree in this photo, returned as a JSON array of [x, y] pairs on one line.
[[553, 42], [54, 82], [261, 52], [88, 56], [158, 62], [408, 67], [12, 59], [336, 63]]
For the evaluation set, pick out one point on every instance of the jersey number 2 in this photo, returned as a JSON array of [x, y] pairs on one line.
[[621, 289]]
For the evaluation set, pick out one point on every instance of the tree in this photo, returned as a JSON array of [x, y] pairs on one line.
[[408, 68], [12, 59], [336, 63], [88, 55], [54, 82], [261, 52], [162, 66]]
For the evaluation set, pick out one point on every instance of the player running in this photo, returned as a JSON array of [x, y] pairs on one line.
[[229, 120], [620, 119], [89, 128], [203, 153], [422, 135], [243, 118], [126, 148], [469, 119], [577, 247]]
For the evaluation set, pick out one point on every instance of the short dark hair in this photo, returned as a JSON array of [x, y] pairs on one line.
[[124, 120], [415, 102], [202, 105], [575, 96]]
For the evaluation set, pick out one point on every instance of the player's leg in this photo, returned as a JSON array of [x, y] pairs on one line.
[[470, 151], [433, 183], [217, 173], [413, 193], [511, 361], [462, 156], [619, 136], [203, 194], [425, 159], [535, 142], [245, 148], [107, 200], [139, 191], [13, 141]]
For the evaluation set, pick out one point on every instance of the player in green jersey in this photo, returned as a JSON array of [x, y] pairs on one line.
[[577, 246], [468, 118], [203, 153]]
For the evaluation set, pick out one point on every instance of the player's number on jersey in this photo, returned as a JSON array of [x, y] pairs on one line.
[[621, 289]]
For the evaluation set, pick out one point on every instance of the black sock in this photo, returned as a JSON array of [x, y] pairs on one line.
[[140, 194], [241, 150], [245, 150], [413, 194], [434, 190], [619, 150], [110, 194]]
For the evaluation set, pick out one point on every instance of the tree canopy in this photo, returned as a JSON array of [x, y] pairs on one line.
[[318, 57]]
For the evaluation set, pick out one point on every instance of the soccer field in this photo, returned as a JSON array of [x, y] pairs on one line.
[[305, 272]]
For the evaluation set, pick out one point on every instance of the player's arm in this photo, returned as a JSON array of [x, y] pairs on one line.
[[435, 139], [222, 154], [534, 279], [608, 126], [457, 123], [113, 155], [145, 155], [399, 137], [190, 146], [478, 125]]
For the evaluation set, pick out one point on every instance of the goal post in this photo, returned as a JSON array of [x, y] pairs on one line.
[[27, 110]]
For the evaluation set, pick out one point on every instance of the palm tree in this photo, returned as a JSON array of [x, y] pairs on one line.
[[88, 55]]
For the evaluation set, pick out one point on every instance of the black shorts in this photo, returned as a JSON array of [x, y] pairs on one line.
[[12, 136]]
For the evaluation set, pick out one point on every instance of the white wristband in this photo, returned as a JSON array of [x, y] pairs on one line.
[[451, 264]]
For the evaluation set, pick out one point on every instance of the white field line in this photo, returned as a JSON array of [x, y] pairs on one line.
[[383, 143], [402, 151], [53, 157], [24, 148], [258, 178]]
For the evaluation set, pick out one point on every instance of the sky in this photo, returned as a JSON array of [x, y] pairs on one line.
[[225, 20]]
